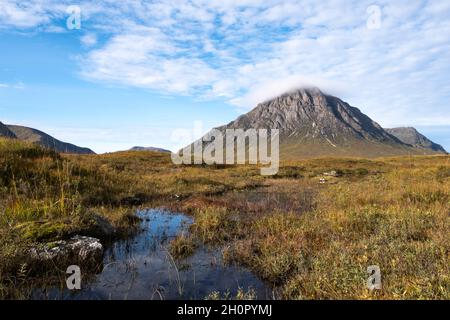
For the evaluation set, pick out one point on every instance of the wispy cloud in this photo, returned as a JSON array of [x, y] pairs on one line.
[[22, 14], [89, 39], [249, 50], [18, 85]]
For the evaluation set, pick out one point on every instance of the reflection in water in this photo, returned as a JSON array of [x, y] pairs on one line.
[[141, 268]]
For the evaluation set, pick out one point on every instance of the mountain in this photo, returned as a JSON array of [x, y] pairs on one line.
[[414, 138], [315, 124], [5, 132], [45, 140], [149, 149]]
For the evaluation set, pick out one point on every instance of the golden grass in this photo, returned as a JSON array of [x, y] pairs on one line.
[[311, 240], [182, 246], [397, 218]]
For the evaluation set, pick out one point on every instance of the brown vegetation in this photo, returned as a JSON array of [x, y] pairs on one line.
[[311, 240]]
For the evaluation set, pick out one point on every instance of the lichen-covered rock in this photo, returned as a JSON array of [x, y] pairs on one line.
[[79, 249], [87, 248]]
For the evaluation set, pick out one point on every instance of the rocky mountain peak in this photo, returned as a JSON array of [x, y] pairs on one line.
[[308, 112], [412, 137], [313, 123]]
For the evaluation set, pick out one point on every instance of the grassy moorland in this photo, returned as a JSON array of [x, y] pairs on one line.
[[311, 240]]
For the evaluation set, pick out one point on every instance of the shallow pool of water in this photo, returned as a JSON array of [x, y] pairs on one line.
[[141, 268]]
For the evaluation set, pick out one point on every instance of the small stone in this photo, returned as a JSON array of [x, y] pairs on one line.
[[332, 173]]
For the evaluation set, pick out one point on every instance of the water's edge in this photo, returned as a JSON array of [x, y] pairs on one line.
[[141, 268]]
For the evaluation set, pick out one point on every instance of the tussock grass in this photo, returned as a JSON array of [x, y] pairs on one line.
[[310, 240], [318, 242], [182, 247]]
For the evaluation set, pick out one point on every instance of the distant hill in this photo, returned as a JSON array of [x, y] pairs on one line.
[[45, 140], [314, 124], [414, 138], [5, 132], [149, 149]]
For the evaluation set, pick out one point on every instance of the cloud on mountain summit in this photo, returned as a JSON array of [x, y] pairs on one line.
[[250, 50]]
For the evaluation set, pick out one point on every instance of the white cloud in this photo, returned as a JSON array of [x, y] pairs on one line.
[[147, 59], [89, 40], [22, 14], [18, 85], [250, 50], [274, 87]]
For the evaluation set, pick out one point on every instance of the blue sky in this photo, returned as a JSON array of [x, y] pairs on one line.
[[137, 71]]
